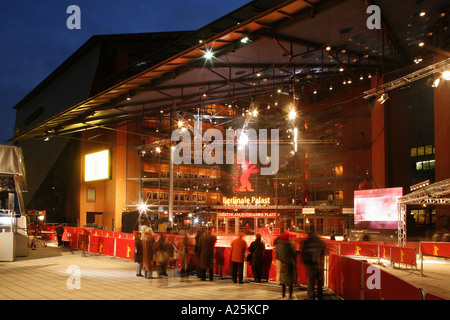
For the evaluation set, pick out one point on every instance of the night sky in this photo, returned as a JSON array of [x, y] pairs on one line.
[[35, 39]]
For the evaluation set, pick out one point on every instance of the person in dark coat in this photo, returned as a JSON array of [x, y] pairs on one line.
[[148, 245], [197, 251], [59, 231], [312, 254], [138, 257], [286, 254], [206, 249], [257, 249]]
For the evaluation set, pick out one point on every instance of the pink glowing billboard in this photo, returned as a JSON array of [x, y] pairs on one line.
[[377, 208]]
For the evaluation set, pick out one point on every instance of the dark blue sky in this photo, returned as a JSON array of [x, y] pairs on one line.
[[35, 39]]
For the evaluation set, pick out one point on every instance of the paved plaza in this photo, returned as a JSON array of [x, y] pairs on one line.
[[54, 273]]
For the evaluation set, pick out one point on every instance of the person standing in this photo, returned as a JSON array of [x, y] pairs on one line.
[[286, 255], [257, 249], [59, 231], [312, 254], [148, 244], [238, 249], [162, 254], [206, 245], [138, 254], [197, 251]]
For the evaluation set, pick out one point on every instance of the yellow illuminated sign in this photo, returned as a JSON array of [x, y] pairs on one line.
[[245, 201], [97, 166]]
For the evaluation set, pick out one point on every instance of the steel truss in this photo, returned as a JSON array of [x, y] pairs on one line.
[[400, 82], [436, 194]]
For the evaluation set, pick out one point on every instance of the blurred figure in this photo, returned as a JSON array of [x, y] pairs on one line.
[[206, 254], [220, 260], [312, 254], [436, 237], [277, 259], [286, 254], [162, 254], [238, 249], [332, 237], [184, 247], [345, 238], [138, 257], [148, 244], [59, 230], [446, 236], [197, 250], [257, 249]]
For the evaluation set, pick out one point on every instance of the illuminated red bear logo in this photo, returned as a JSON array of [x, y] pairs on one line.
[[242, 177]]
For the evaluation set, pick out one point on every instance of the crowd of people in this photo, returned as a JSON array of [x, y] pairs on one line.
[[156, 255]]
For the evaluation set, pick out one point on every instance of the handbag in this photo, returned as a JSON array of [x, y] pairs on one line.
[[249, 257], [283, 268]]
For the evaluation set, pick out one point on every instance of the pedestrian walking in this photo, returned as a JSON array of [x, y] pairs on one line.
[[148, 246], [256, 250], [138, 256], [206, 249], [238, 250], [286, 255], [312, 254]]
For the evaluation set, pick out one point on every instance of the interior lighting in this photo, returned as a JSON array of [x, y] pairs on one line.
[[180, 124], [422, 13], [292, 114], [328, 48], [208, 54], [421, 44], [436, 83], [245, 39], [382, 99], [446, 75], [142, 207], [255, 113], [341, 69], [158, 149]]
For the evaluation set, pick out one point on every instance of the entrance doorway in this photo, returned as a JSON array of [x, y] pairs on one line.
[[94, 219]]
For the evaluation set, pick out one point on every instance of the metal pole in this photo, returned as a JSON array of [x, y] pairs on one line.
[[171, 151]]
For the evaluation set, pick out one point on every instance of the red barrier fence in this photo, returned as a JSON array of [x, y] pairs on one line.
[[437, 249], [349, 278], [358, 280]]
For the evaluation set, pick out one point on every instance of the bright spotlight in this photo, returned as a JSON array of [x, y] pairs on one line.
[[208, 54], [446, 75], [292, 114]]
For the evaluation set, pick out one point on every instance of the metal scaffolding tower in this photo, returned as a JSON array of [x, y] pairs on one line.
[[436, 194]]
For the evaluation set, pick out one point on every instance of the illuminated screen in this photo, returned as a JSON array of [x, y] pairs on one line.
[[377, 208], [97, 166]]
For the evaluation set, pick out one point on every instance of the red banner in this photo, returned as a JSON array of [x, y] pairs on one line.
[[432, 296], [349, 278], [358, 249], [385, 252], [403, 255], [382, 285], [437, 249], [125, 248]]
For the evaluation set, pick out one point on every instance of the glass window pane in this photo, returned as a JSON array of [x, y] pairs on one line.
[[419, 165]]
